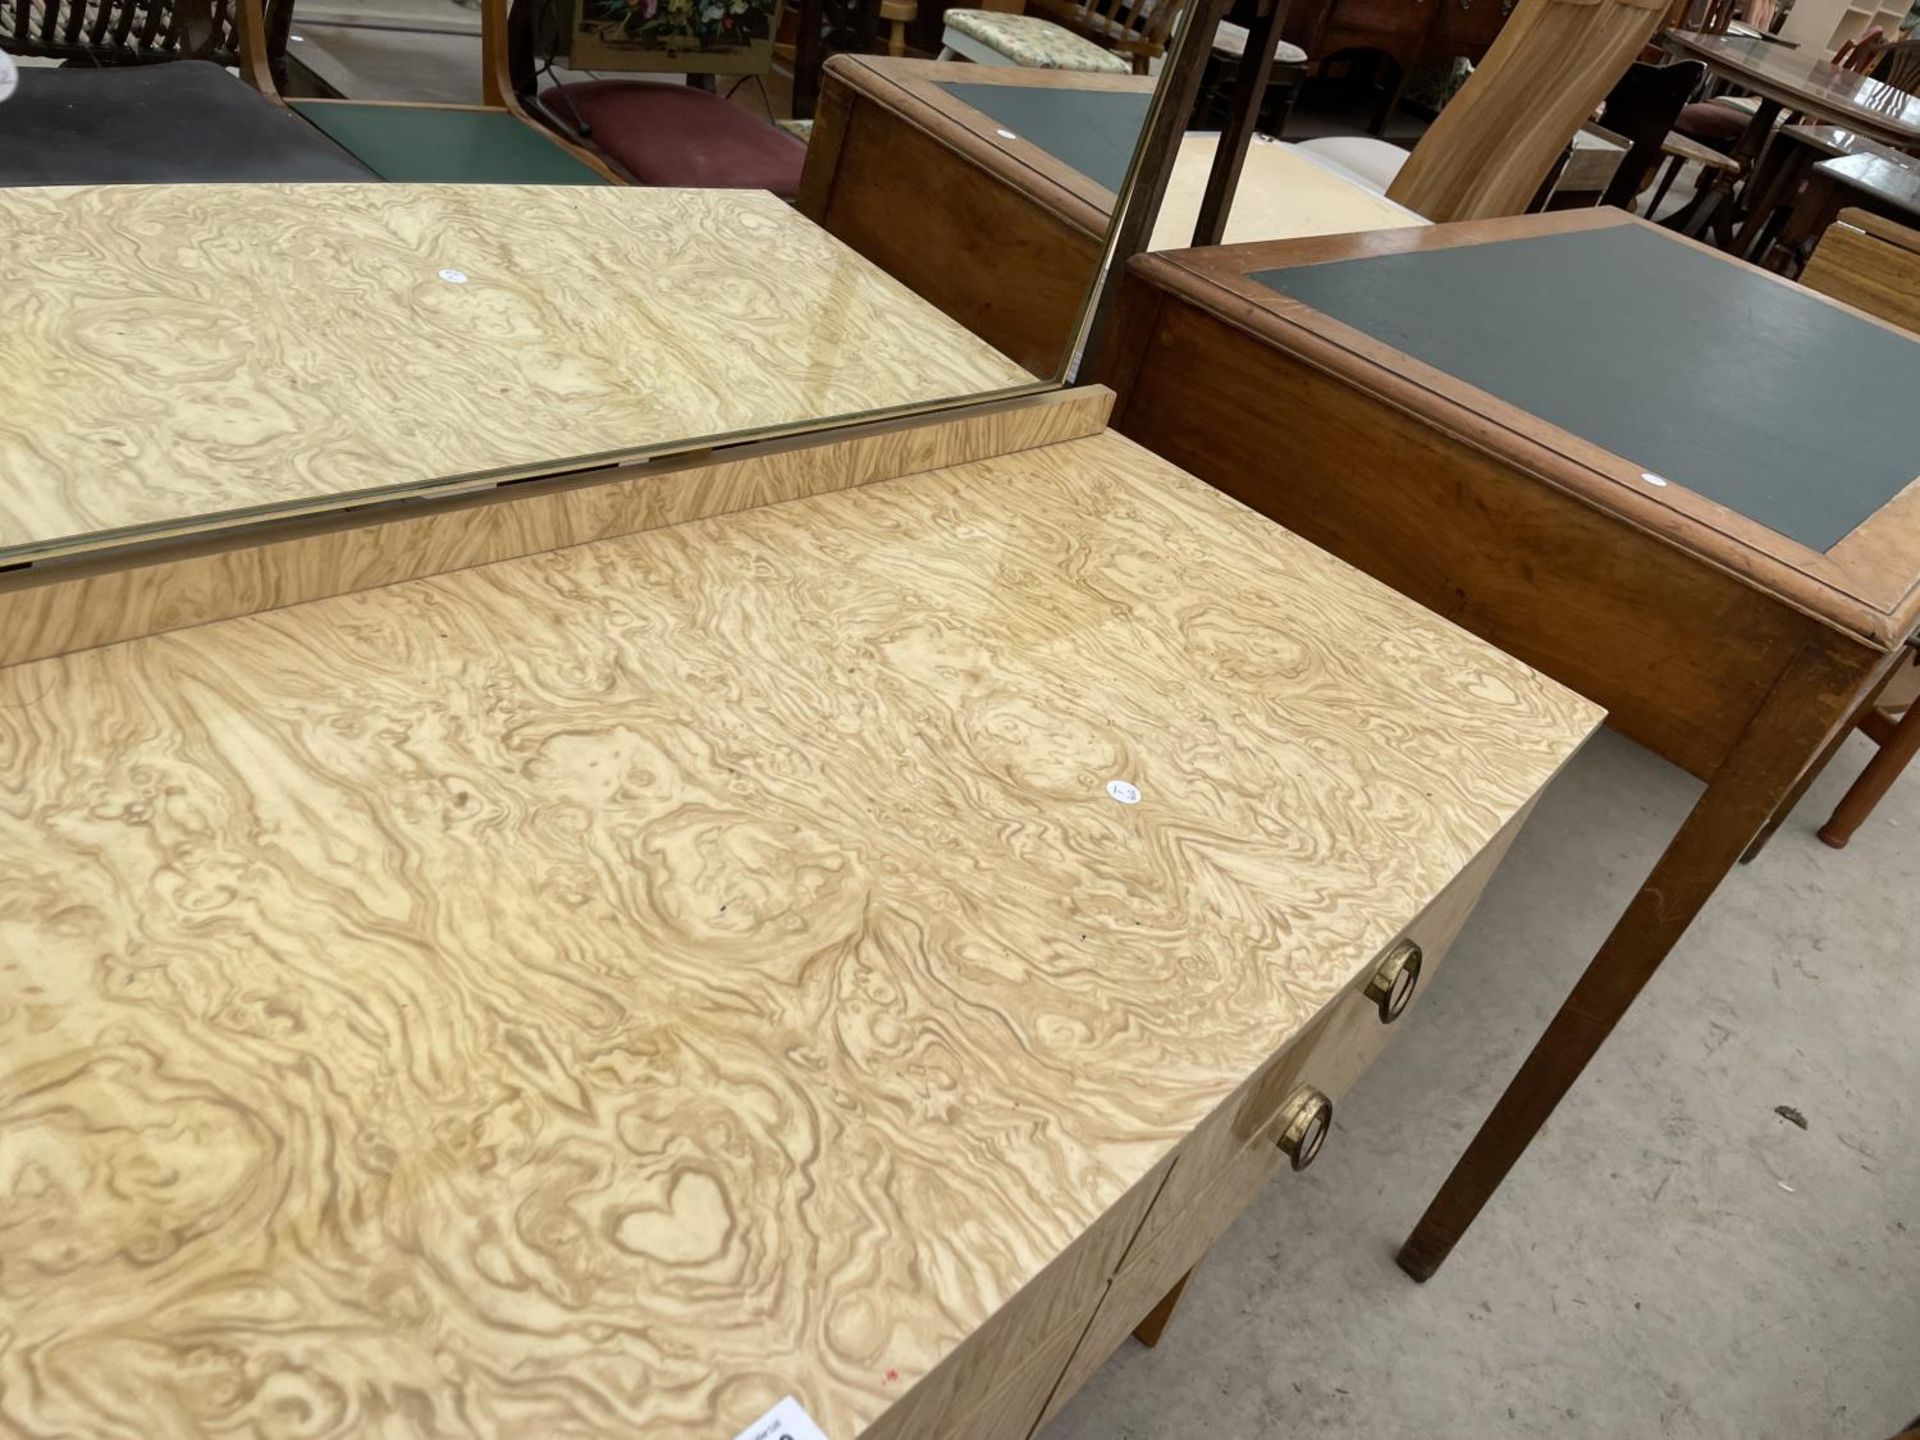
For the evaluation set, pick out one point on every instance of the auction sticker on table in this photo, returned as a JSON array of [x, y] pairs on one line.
[[785, 1421]]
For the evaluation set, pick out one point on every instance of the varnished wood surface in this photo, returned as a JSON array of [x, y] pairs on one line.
[[601, 992], [1867, 585], [1870, 263], [173, 354], [986, 225], [1806, 80], [100, 598]]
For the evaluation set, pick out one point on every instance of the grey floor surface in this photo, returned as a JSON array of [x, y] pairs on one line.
[[1672, 1258]]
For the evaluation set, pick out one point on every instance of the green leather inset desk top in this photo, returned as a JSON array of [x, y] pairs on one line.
[[429, 145], [1092, 131], [1758, 395]]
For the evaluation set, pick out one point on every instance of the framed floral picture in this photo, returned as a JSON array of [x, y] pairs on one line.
[[704, 37]]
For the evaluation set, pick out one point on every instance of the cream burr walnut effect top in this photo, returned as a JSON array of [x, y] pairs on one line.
[[601, 993]]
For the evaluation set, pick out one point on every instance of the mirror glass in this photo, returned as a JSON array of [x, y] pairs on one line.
[[377, 250]]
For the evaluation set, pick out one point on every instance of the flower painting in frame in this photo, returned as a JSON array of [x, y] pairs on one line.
[[698, 37]]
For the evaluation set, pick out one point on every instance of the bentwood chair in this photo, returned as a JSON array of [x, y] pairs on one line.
[[492, 143]]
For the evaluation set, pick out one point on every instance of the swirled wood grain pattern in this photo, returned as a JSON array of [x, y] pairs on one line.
[[598, 993], [171, 354], [48, 610]]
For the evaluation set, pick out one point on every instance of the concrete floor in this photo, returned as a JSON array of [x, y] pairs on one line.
[[1672, 1258]]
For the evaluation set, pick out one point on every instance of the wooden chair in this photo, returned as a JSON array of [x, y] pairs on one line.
[[1874, 264], [1287, 75], [1137, 29], [648, 132], [112, 116], [493, 143], [1496, 141], [1642, 106], [110, 33], [1029, 42], [1898, 65]]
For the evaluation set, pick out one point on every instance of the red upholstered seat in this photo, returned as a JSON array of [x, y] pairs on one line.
[[1711, 124], [677, 135]]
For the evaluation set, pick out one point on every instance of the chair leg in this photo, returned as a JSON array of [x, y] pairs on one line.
[[1666, 184], [1882, 770]]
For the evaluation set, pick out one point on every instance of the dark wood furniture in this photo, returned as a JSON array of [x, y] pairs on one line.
[[1729, 582], [1408, 33], [1785, 79], [1642, 107], [985, 189], [1884, 184], [93, 34]]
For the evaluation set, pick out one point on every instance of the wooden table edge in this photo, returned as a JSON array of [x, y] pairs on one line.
[[905, 88], [1811, 582]]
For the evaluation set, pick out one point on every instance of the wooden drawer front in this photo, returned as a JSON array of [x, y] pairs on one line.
[[1059, 1299], [1013, 1410], [1330, 1054], [1155, 1267]]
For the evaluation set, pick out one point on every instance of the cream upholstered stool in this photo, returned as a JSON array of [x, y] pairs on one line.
[[991, 37]]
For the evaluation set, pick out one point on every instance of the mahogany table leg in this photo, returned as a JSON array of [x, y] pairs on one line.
[[1785, 735], [1149, 1330]]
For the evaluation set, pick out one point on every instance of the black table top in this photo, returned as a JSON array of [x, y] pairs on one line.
[[1710, 374], [1092, 131], [184, 121]]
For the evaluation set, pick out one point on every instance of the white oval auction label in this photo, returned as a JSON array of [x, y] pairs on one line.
[[1123, 791]]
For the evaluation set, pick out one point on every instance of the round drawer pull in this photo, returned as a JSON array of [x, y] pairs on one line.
[[1304, 1122], [1391, 987]]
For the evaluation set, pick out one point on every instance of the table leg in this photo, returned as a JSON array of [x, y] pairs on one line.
[[1149, 1330], [809, 54], [1781, 169], [1780, 740]]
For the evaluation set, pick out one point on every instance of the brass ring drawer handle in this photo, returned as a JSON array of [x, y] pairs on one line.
[[1391, 987], [1304, 1122]]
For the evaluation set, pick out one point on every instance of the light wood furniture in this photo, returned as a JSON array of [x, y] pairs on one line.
[[1498, 139], [494, 142], [1283, 193], [1870, 263], [1874, 264], [1729, 585], [366, 340], [602, 988]]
